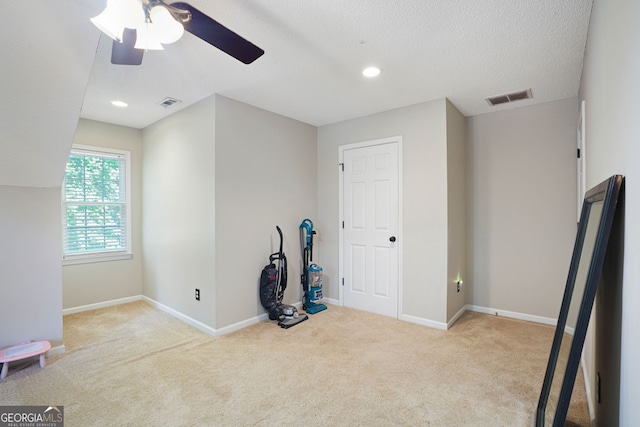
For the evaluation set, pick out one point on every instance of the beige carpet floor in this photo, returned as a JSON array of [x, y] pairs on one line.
[[133, 365]]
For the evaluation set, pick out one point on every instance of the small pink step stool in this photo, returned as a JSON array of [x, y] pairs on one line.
[[22, 351]]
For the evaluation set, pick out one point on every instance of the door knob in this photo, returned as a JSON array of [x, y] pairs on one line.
[[392, 238]]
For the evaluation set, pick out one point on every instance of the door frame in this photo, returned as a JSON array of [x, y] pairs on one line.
[[582, 162], [400, 245]]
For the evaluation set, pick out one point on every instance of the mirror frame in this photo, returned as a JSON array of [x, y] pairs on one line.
[[607, 191]]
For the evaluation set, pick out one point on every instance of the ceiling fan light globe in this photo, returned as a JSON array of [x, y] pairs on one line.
[[131, 13], [166, 27], [109, 23], [172, 36], [147, 38]]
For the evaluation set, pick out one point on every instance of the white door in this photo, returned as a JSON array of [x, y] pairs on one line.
[[371, 228]]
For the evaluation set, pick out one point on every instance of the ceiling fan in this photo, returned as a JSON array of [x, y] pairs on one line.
[[139, 25]]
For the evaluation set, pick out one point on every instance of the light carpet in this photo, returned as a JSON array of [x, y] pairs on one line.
[[133, 365]]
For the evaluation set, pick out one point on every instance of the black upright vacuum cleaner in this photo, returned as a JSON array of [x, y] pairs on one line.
[[273, 282]]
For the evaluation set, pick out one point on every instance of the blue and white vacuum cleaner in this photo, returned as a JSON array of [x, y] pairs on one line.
[[311, 277]]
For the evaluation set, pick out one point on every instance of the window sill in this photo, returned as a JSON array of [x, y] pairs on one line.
[[88, 259]]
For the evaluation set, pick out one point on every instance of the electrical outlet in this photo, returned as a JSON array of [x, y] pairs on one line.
[[197, 294], [458, 287]]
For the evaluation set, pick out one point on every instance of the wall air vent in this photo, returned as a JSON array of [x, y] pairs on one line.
[[509, 97], [169, 102]]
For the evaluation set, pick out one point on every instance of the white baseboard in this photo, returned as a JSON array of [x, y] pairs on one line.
[[407, 317], [262, 317], [330, 301], [513, 314], [186, 319], [59, 349], [98, 305], [478, 309], [205, 328], [183, 317], [587, 385], [413, 319], [455, 318], [242, 324], [423, 322], [468, 307]]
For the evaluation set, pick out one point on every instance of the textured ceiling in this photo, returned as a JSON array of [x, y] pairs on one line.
[[56, 66], [464, 50]]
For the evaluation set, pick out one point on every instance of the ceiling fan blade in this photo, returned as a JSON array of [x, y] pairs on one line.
[[216, 34], [123, 53]]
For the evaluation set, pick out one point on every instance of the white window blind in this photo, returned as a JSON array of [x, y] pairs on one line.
[[95, 203]]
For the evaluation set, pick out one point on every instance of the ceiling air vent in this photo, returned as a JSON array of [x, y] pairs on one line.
[[168, 102], [509, 97]]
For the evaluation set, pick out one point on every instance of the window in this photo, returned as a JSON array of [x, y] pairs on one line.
[[96, 215]]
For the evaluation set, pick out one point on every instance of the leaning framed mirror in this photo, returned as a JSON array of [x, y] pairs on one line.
[[594, 228]]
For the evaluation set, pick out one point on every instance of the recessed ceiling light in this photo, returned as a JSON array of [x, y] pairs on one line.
[[119, 103], [371, 71]]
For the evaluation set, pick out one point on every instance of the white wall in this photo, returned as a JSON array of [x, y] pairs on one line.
[[423, 128], [84, 284], [456, 210], [217, 178], [43, 86], [30, 265], [610, 87], [178, 193], [523, 196], [265, 174]]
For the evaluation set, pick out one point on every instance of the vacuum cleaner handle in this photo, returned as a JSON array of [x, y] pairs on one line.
[[306, 229], [280, 233], [307, 224]]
